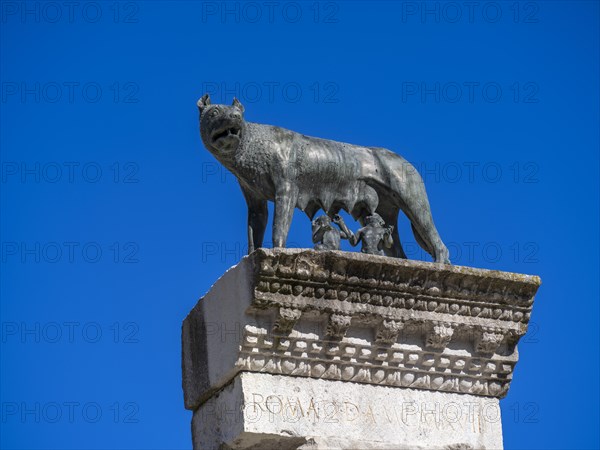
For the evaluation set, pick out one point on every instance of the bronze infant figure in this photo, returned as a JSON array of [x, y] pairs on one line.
[[375, 236], [324, 235]]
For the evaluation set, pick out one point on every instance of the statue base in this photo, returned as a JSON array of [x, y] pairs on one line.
[[301, 349]]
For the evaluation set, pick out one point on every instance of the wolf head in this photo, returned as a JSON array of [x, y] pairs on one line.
[[221, 126]]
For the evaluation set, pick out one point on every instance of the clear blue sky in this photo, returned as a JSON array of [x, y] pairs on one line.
[[115, 219]]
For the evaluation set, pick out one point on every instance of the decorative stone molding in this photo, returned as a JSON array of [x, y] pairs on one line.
[[387, 366], [338, 325], [488, 339], [286, 320], [388, 331], [350, 317], [439, 335]]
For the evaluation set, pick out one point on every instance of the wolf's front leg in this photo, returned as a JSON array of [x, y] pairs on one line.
[[285, 201], [258, 215]]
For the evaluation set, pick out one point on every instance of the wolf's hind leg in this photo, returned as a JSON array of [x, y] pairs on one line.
[[427, 235]]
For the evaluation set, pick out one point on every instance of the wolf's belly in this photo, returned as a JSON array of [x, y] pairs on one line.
[[332, 176]]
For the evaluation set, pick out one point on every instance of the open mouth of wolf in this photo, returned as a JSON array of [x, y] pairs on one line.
[[233, 131]]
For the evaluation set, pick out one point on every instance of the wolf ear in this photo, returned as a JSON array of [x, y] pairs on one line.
[[237, 104], [203, 102]]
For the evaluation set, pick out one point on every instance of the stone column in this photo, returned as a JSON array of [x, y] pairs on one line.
[[302, 349]]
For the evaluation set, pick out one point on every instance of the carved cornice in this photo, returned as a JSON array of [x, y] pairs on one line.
[[391, 287]]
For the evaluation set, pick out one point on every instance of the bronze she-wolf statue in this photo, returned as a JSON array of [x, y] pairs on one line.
[[298, 171]]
